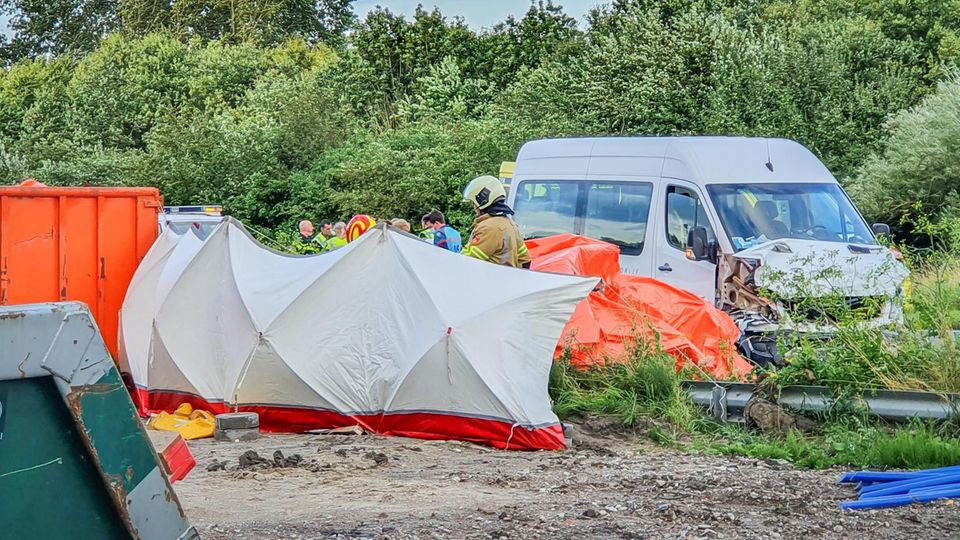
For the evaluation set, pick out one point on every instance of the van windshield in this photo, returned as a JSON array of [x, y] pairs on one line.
[[753, 214]]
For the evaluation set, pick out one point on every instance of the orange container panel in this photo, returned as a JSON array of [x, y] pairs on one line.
[[79, 244]]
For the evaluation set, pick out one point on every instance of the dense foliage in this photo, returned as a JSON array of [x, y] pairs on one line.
[[290, 110]]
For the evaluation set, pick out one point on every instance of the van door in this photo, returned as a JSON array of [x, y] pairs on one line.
[[682, 209], [618, 213]]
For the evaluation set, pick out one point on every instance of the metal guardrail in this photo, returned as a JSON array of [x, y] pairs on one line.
[[726, 401]]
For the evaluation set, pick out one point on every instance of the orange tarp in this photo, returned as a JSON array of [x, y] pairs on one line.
[[624, 306]]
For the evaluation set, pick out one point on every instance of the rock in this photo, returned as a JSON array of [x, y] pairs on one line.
[[217, 466], [235, 435], [250, 459], [378, 457], [237, 420], [591, 513], [770, 417], [838, 529], [280, 461]]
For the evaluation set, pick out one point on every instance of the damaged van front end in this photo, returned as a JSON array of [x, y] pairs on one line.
[[810, 287]]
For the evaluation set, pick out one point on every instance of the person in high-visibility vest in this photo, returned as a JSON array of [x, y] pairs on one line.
[[305, 243], [494, 236], [339, 238], [306, 231], [324, 236]]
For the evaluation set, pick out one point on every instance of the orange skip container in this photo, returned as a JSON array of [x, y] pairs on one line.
[[81, 243]]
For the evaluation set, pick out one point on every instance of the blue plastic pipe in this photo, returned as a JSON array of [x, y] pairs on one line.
[[904, 486], [935, 488], [900, 500], [873, 476], [917, 478], [869, 476]]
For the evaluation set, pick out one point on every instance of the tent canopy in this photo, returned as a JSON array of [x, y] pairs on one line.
[[388, 332]]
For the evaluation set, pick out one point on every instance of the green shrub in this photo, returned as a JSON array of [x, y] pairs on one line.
[[645, 383], [916, 178]]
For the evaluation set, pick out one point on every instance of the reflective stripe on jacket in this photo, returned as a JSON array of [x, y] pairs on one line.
[[497, 239]]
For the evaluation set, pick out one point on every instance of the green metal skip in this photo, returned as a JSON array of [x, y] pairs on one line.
[[75, 460]]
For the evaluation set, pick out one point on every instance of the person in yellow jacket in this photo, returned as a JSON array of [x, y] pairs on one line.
[[339, 238], [494, 236]]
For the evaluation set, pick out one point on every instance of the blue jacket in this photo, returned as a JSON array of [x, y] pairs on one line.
[[448, 238]]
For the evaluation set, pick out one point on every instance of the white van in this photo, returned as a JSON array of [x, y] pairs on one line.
[[723, 217], [202, 218]]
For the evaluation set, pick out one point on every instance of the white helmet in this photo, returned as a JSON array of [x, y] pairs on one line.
[[484, 191]]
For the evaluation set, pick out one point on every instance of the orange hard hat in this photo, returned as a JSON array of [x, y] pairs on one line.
[[358, 225]]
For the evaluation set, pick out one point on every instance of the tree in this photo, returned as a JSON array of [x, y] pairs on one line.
[[929, 28], [544, 33], [241, 20], [916, 174], [389, 54], [140, 17], [444, 95], [827, 84], [55, 27], [409, 170]]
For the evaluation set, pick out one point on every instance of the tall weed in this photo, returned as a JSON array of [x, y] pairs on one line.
[[852, 441], [644, 383]]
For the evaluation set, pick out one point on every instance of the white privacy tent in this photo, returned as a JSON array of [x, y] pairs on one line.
[[389, 332]]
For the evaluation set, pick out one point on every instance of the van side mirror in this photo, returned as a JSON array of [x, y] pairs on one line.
[[699, 248], [881, 229]]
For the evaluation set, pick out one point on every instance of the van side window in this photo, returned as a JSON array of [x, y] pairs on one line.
[[684, 212], [615, 212], [618, 213], [546, 208]]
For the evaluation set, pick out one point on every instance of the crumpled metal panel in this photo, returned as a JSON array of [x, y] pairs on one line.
[[61, 342]]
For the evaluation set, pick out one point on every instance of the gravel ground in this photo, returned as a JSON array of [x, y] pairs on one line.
[[349, 486]]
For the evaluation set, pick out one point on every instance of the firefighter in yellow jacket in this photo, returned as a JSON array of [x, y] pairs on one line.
[[494, 237]]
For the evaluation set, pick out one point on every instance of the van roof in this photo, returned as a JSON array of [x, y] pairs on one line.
[[702, 160]]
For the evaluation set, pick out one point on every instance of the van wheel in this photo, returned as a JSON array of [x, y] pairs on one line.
[[760, 350]]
